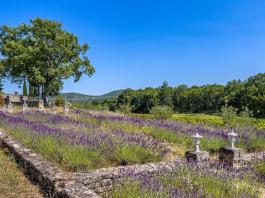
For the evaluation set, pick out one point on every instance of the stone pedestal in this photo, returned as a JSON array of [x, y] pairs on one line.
[[54, 109], [9, 108], [193, 156], [24, 107], [230, 156], [66, 108], [40, 105]]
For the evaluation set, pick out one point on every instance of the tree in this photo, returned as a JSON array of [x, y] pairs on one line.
[[44, 54], [144, 100], [177, 98], [165, 95], [125, 97], [25, 90], [31, 90], [1, 87], [255, 94]]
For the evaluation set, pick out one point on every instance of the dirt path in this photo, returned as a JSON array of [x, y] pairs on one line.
[[13, 183]]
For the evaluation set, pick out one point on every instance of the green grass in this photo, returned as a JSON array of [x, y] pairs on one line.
[[211, 144], [199, 119], [12, 181], [126, 155], [260, 168], [207, 119]]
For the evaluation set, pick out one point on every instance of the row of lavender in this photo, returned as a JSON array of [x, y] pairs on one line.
[[191, 181], [64, 135], [251, 139]]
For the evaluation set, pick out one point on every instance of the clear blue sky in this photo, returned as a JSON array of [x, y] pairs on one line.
[[141, 43]]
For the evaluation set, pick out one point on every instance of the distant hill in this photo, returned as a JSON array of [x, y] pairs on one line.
[[77, 97]]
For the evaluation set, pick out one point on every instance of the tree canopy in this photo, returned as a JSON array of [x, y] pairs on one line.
[[242, 95], [44, 54]]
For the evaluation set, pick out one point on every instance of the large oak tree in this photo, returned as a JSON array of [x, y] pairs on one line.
[[44, 54]]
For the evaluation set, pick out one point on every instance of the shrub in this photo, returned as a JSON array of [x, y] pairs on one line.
[[199, 119], [125, 109], [59, 100], [162, 112], [229, 116]]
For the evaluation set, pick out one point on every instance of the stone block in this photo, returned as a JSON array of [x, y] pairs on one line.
[[193, 156], [229, 156]]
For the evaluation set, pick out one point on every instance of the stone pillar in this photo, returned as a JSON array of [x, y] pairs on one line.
[[197, 156], [66, 108], [54, 109], [229, 157], [24, 106], [40, 105], [9, 108]]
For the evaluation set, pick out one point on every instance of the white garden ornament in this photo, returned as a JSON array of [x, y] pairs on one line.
[[232, 137], [197, 139]]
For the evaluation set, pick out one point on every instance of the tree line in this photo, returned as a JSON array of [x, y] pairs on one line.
[[239, 94]]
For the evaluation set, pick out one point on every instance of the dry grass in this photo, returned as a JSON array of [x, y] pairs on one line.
[[12, 181]]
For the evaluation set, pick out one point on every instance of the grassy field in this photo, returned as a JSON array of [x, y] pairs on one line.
[[12, 181]]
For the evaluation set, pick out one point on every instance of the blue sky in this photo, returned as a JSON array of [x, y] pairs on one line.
[[142, 43]]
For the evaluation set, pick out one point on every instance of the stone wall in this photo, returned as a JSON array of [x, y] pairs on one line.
[[52, 181], [56, 183], [103, 180]]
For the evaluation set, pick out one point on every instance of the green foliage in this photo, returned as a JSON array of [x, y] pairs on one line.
[[260, 123], [43, 53], [255, 94], [126, 155], [2, 100], [246, 97], [205, 119], [165, 95], [212, 144], [25, 90], [1, 86], [229, 116], [125, 109], [144, 100], [162, 112], [125, 97], [90, 106], [59, 100], [260, 168]]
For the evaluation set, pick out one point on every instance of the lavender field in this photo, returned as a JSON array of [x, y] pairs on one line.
[[86, 140]]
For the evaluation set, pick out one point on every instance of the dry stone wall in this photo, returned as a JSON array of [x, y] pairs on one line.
[[52, 181], [102, 180]]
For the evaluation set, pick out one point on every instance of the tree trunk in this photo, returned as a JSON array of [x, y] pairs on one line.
[[44, 95]]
